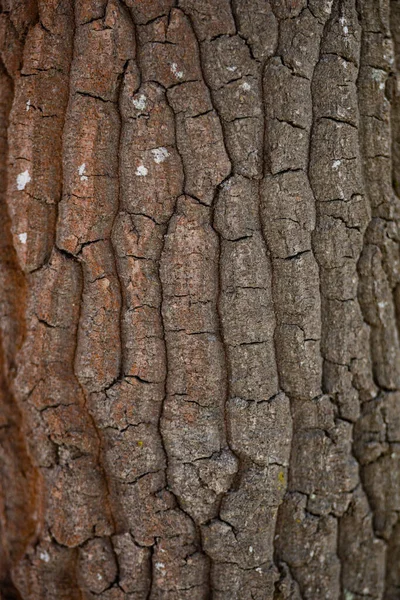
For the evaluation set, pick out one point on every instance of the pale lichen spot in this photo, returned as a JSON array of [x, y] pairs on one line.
[[139, 101], [160, 567], [246, 86], [348, 595], [251, 549], [342, 21], [99, 577], [336, 164], [259, 570], [22, 237], [141, 171], [28, 104], [174, 69], [226, 185], [159, 154], [231, 69], [81, 171], [23, 179], [44, 556]]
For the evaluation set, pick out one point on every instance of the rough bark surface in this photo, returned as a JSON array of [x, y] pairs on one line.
[[200, 299]]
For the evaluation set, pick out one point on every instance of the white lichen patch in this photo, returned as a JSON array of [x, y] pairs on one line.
[[336, 164], [44, 556], [28, 104], [23, 179], [231, 69], [139, 101], [81, 171], [160, 567], [159, 154], [22, 237], [342, 21], [259, 570], [246, 86], [141, 171], [174, 69]]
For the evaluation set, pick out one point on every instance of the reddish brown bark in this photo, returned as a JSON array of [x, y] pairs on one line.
[[199, 299]]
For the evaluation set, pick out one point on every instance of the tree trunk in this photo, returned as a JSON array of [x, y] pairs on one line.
[[200, 299]]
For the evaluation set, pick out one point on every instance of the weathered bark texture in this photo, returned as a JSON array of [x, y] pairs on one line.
[[200, 299]]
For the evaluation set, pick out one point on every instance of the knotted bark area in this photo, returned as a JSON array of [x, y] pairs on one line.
[[199, 299]]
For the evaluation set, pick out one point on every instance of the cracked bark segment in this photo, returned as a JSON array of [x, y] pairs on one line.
[[376, 447], [97, 360], [299, 43], [210, 20], [146, 12], [201, 146], [97, 565], [152, 175], [92, 132], [90, 168], [168, 50], [242, 551], [234, 78], [356, 538], [242, 556], [134, 566], [36, 124], [110, 35], [192, 421], [287, 230], [257, 24], [308, 546], [288, 118], [46, 571]]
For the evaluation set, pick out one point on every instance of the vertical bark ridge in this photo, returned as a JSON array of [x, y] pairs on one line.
[[305, 542], [377, 430], [342, 218], [19, 479], [242, 555], [37, 114]]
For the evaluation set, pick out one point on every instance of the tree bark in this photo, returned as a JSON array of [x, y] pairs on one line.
[[199, 299]]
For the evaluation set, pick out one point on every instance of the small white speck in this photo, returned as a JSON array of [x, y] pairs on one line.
[[393, 455], [259, 570], [23, 179], [381, 86], [251, 549], [28, 105], [174, 69], [44, 556], [342, 21], [381, 304], [336, 164], [22, 237], [141, 171], [139, 102], [160, 154], [231, 69], [81, 171], [160, 567], [246, 86], [99, 577]]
